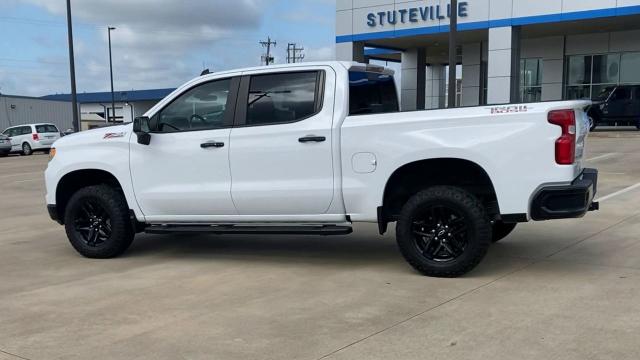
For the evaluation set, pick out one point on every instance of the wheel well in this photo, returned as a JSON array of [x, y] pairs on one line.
[[413, 177], [76, 180]]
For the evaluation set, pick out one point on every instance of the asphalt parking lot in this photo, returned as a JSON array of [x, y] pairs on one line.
[[566, 289]]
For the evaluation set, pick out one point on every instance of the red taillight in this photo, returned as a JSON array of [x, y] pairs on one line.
[[566, 143], [35, 137]]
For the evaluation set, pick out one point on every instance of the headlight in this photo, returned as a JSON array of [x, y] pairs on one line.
[[52, 153]]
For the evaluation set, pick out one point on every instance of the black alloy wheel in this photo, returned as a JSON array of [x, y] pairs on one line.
[[443, 231], [97, 222], [92, 223], [440, 233]]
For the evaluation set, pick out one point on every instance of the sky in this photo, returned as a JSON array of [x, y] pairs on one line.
[[156, 44]]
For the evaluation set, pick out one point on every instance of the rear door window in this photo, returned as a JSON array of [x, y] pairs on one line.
[[46, 129], [283, 98], [372, 93], [25, 130]]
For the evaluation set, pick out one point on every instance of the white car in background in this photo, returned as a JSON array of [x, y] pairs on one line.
[[26, 139]]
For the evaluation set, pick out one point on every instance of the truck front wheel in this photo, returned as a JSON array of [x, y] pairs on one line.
[[97, 222], [443, 231]]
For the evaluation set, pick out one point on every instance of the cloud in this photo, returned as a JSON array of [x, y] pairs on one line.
[[325, 53], [157, 43]]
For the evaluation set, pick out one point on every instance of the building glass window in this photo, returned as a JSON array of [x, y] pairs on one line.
[[530, 80], [630, 68], [589, 75]]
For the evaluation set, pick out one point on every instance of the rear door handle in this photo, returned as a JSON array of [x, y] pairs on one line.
[[311, 138], [212, 144]]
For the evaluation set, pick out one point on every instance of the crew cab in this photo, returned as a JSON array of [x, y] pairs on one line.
[[310, 149]]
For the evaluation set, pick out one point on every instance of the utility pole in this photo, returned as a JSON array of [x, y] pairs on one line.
[[453, 53], [72, 71], [292, 53], [267, 58], [113, 99]]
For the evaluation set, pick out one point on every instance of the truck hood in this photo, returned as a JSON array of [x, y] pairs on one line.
[[95, 136]]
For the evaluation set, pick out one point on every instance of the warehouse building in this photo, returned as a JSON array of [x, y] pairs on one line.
[[18, 110], [96, 107], [508, 50]]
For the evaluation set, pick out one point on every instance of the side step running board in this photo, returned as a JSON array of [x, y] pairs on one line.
[[251, 229]]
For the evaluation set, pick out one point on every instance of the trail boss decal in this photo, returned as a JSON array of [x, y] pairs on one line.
[[509, 109], [113, 135]]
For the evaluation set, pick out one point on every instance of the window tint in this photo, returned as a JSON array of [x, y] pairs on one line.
[[201, 108], [372, 93], [24, 130], [280, 98], [46, 129]]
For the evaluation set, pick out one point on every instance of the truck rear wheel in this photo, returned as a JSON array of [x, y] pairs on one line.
[[97, 222], [443, 231], [502, 230]]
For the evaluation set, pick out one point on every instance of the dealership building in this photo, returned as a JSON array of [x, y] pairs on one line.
[[508, 50]]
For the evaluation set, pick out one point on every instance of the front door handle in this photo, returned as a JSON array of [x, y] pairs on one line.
[[212, 144], [312, 138]]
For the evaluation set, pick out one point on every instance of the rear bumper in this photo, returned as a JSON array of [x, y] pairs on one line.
[[567, 201]]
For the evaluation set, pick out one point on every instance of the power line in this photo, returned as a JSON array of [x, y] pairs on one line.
[[267, 58], [292, 53]]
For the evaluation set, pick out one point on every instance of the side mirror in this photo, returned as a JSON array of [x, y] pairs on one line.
[[141, 129]]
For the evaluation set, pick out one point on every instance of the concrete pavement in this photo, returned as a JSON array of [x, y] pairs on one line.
[[555, 290]]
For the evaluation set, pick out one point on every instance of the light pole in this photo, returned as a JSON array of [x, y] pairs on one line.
[[113, 99], [72, 70]]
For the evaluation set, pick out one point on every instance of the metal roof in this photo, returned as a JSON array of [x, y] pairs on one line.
[[120, 96]]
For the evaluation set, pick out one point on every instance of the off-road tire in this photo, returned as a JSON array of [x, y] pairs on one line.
[[114, 204], [478, 234]]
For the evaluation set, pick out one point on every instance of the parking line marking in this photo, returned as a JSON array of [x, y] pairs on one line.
[[22, 174], [620, 192], [27, 180], [603, 156]]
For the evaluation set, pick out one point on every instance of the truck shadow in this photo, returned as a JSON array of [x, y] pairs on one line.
[[349, 252]]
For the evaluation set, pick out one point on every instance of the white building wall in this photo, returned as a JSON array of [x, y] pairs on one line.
[[128, 110], [499, 71], [497, 16]]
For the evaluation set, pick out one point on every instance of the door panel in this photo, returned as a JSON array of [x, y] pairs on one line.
[[281, 158], [183, 174], [175, 176]]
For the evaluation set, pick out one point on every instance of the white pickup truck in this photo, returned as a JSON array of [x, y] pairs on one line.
[[313, 148]]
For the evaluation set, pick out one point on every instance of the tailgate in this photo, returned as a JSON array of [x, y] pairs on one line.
[[582, 131]]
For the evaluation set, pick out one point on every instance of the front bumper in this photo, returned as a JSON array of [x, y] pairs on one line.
[[567, 201]]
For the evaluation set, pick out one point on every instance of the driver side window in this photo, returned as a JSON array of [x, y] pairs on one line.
[[202, 108]]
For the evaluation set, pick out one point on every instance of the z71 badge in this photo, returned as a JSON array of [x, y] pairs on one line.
[[113, 135]]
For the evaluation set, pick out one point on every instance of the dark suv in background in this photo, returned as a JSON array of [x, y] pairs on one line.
[[616, 105]]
